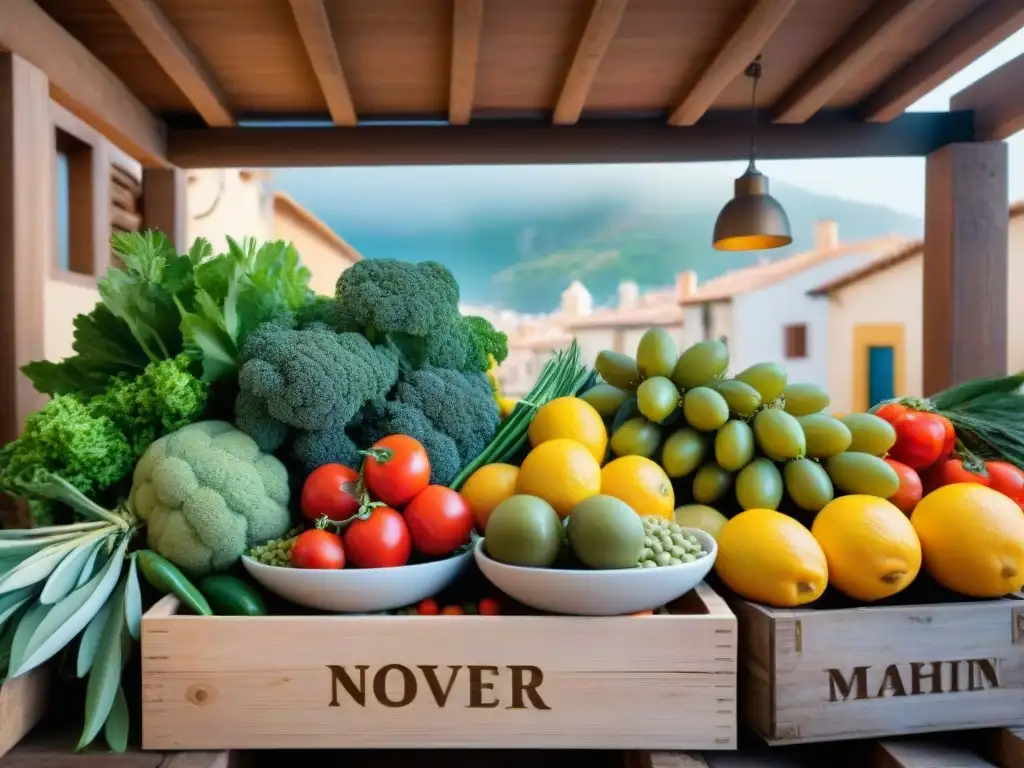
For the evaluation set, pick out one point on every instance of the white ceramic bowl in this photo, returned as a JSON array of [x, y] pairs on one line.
[[358, 590], [598, 593]]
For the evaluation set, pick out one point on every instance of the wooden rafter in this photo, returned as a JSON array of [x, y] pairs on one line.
[[729, 63], [978, 33], [604, 21], [315, 29], [997, 101], [82, 83], [870, 36], [467, 22], [174, 54]]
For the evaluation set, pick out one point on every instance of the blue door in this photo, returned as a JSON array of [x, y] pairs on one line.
[[881, 374]]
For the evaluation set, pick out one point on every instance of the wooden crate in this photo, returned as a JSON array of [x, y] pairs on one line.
[[854, 673], [666, 682], [23, 703]]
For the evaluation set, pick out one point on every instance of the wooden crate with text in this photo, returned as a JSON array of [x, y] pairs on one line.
[[525, 682], [830, 675]]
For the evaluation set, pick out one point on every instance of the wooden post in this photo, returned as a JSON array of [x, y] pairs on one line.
[[27, 232], [163, 203], [965, 264]]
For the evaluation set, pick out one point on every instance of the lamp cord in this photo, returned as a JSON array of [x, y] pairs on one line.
[[753, 71]]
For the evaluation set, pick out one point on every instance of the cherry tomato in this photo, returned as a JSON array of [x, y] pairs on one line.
[[952, 471], [891, 411], [380, 541], [440, 520], [1007, 479], [489, 607], [397, 468], [950, 442], [910, 491], [318, 549], [920, 438], [427, 607], [453, 610], [330, 490]]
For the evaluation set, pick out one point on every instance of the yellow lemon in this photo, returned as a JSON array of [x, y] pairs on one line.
[[872, 549], [487, 488], [770, 558], [707, 519], [562, 472], [641, 483], [972, 538], [572, 419]]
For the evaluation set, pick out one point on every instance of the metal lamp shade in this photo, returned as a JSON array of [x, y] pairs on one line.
[[753, 220]]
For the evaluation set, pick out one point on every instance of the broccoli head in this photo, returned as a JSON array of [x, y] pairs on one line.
[[308, 379], [459, 405], [387, 296], [332, 445], [208, 494], [397, 418], [468, 344]]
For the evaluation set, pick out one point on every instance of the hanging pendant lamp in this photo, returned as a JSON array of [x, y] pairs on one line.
[[753, 220]]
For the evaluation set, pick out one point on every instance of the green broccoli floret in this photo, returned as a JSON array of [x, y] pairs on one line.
[[387, 296], [68, 438], [208, 495], [466, 345], [163, 398], [325, 446], [459, 405], [397, 418], [309, 379]]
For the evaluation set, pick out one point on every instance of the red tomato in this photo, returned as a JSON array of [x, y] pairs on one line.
[[427, 607], [920, 438], [1007, 479], [380, 541], [330, 490], [950, 442], [396, 469], [953, 471], [318, 549], [891, 411], [909, 494], [489, 607], [440, 520]]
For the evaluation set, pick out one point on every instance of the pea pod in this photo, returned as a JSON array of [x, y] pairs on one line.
[[165, 577]]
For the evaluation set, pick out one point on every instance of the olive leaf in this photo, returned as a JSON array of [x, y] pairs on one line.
[[6, 638], [23, 547], [115, 731], [12, 601], [89, 643], [51, 530], [39, 566], [27, 625], [71, 615], [96, 560], [133, 600], [64, 578], [105, 675]]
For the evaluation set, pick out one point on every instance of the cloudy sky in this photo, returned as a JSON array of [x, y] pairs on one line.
[[435, 194]]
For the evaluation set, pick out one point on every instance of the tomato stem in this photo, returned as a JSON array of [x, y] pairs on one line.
[[380, 455]]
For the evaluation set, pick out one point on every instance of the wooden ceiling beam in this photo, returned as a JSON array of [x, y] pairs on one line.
[[315, 30], [997, 101], [735, 56], [467, 23], [722, 135], [869, 37], [81, 83], [980, 32], [177, 58], [601, 27]]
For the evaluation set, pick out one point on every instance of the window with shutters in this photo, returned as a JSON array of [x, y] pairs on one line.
[[74, 204], [125, 194], [795, 341]]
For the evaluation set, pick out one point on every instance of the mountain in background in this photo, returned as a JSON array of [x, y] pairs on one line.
[[520, 251]]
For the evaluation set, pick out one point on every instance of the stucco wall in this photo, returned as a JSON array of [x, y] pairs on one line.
[[320, 256], [63, 299], [1015, 342], [227, 205]]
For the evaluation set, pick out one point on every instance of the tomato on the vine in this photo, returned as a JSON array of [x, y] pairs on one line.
[[910, 490], [953, 471], [381, 540], [330, 491], [891, 411], [319, 549], [1006, 478], [950, 442], [920, 439], [440, 520], [396, 469]]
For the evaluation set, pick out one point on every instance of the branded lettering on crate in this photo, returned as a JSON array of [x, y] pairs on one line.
[[471, 686], [914, 679]]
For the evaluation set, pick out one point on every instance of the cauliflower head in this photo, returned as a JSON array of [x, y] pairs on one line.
[[208, 494]]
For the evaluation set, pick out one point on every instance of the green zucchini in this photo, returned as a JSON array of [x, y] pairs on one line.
[[230, 596]]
